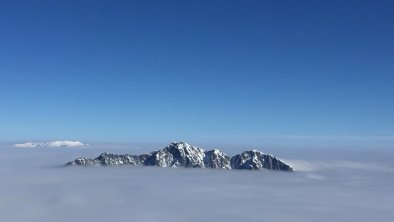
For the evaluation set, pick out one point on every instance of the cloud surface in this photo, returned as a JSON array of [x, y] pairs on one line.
[[36, 187]]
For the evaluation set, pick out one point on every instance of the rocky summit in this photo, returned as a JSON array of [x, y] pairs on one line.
[[181, 154]]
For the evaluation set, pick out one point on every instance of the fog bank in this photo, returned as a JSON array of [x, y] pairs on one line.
[[327, 186]]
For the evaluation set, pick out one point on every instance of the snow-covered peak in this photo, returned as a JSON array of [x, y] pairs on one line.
[[181, 154], [180, 145], [52, 144], [65, 144]]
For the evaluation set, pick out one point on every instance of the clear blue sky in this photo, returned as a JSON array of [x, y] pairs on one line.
[[201, 71]]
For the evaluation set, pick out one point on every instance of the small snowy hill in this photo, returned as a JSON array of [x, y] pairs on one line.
[[52, 144]]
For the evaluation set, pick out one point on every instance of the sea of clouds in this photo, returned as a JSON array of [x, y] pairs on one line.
[[328, 185]]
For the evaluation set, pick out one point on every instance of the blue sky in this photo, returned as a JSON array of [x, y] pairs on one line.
[[289, 73]]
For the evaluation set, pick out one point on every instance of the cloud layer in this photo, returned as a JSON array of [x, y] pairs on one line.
[[345, 188]]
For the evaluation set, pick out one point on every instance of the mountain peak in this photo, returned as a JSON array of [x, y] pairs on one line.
[[177, 154], [181, 154]]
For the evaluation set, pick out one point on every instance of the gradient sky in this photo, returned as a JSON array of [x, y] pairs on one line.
[[266, 72]]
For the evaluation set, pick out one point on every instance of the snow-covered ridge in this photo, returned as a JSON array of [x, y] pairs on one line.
[[181, 154], [52, 144]]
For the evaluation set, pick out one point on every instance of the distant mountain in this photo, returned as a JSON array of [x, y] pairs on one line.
[[64, 143], [181, 154]]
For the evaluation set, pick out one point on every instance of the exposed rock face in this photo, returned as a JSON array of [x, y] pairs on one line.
[[216, 159], [177, 154], [254, 160], [181, 154]]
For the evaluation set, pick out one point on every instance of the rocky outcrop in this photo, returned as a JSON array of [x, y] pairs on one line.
[[255, 160], [181, 154]]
